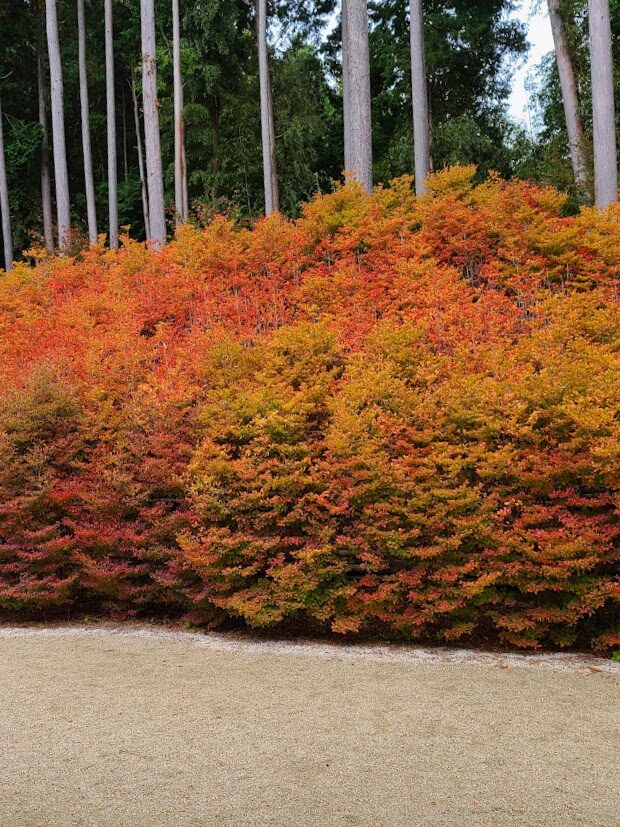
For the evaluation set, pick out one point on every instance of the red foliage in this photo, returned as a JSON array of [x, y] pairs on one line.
[[393, 415]]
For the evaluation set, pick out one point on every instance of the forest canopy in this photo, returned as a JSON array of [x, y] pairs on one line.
[[471, 50]]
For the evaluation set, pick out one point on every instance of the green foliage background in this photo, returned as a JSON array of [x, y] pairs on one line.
[[472, 48]]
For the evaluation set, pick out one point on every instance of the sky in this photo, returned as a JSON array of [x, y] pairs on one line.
[[534, 15]]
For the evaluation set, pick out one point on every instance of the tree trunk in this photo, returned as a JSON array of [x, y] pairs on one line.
[[568, 84], [4, 205], [180, 171], [46, 186], [215, 115], [111, 127], [61, 175], [125, 152], [603, 116], [272, 142], [419, 94], [270, 174], [360, 129], [143, 190], [155, 180], [346, 87], [86, 149]]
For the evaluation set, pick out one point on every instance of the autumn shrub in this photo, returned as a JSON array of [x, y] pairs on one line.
[[39, 442], [402, 491], [395, 416]]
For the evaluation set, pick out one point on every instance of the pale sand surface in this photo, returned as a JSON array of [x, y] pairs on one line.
[[143, 728]]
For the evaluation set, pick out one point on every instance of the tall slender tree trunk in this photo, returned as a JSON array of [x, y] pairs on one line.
[[570, 100], [46, 184], [155, 180], [180, 170], [419, 94], [143, 188], [111, 127], [125, 151], [603, 113], [7, 238], [61, 175], [88, 158], [215, 115], [346, 86], [270, 173], [360, 128], [272, 142]]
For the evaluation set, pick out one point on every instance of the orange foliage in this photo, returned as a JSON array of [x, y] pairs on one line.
[[393, 416]]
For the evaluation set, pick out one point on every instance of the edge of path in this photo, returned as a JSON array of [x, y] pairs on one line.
[[388, 653]]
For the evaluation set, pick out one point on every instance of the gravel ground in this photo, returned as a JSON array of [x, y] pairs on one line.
[[104, 727]]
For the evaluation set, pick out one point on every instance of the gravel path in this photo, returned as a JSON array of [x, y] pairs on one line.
[[104, 727]]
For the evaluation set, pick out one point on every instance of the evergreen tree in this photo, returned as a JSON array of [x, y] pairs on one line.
[[86, 143], [154, 175], [603, 111], [5, 210], [358, 109], [61, 174]]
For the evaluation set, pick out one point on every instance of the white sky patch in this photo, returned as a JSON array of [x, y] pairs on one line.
[[534, 14]]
